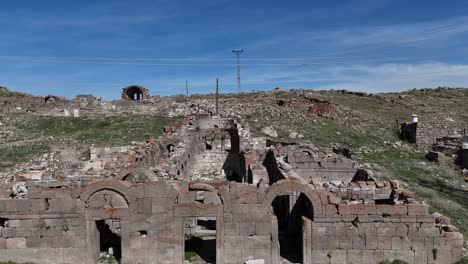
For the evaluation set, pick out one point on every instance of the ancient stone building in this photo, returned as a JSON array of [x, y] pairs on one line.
[[249, 200], [135, 93]]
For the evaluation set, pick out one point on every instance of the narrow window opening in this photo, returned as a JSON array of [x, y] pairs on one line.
[[3, 222], [143, 233]]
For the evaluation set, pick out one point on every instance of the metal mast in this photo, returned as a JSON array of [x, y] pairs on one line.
[[238, 52], [217, 96]]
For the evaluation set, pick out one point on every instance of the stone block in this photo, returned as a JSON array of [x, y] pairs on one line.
[[354, 256], [386, 231], [346, 242], [246, 228], [384, 243], [255, 261], [16, 242], [38, 205], [344, 209], [369, 257], [420, 257], [417, 209], [263, 228], [231, 228], [259, 242], [337, 256], [357, 209], [397, 243], [371, 242]]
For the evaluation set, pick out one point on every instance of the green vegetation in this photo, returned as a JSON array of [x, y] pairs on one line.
[[107, 259], [34, 135], [190, 255], [396, 261], [12, 94], [462, 261], [10, 156], [434, 253], [11, 262], [99, 130]]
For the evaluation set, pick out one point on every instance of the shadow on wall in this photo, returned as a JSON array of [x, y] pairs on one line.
[[408, 132], [462, 158], [234, 165], [274, 174]]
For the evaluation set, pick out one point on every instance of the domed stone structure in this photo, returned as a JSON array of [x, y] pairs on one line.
[[135, 93]]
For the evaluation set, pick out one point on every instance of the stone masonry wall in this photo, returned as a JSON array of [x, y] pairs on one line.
[[321, 167], [57, 225], [428, 132]]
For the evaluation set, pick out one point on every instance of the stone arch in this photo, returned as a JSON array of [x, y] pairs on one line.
[[117, 186], [135, 93], [291, 203], [286, 186], [50, 99], [107, 214]]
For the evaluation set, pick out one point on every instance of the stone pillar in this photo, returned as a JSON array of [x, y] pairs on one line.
[[66, 112], [220, 240], [76, 112], [275, 248], [306, 240]]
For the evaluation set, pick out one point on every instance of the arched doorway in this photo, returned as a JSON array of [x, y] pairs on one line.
[[135, 93], [293, 206], [106, 211], [289, 210]]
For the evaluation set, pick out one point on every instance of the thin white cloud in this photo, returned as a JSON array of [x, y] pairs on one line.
[[398, 77]]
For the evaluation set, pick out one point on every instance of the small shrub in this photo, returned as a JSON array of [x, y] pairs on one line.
[[11, 262], [434, 253], [396, 261], [462, 261]]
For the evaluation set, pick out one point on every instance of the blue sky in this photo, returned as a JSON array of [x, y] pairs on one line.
[[74, 47]]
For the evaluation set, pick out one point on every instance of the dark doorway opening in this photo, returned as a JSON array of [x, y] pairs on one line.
[[289, 210], [110, 241], [200, 239], [134, 93]]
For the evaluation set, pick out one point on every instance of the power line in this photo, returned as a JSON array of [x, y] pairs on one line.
[[214, 64], [181, 59]]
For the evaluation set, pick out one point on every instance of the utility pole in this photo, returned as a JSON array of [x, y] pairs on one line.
[[217, 96], [238, 52], [186, 87]]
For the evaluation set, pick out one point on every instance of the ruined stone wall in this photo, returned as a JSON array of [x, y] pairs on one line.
[[45, 228], [428, 132], [322, 168], [364, 233], [57, 225]]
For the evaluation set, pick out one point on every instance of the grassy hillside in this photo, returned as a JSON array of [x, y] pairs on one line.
[[366, 125], [32, 135]]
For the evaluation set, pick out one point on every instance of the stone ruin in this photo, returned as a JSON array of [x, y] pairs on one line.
[[207, 186], [135, 93], [444, 140]]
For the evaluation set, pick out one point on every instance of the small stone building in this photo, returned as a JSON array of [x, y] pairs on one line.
[[135, 93]]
